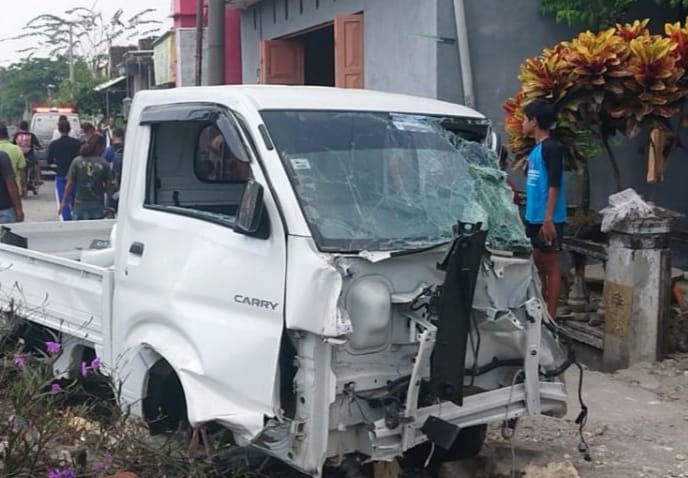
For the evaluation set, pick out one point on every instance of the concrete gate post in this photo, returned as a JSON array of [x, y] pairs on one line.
[[637, 290]]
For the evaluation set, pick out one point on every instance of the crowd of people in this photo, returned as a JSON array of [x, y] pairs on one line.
[[88, 169]]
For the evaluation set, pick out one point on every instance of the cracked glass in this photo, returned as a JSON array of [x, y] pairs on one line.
[[377, 181]]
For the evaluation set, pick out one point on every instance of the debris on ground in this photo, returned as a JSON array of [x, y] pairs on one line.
[[551, 470], [479, 467]]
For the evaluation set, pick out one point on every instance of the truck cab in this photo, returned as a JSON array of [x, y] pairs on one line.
[[324, 272]]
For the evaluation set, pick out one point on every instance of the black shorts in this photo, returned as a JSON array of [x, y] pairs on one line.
[[539, 243]]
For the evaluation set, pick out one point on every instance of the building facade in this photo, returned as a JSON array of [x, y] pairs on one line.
[[402, 46], [175, 51]]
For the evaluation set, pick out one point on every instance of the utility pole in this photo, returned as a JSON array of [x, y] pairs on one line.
[[71, 52], [216, 42], [199, 41]]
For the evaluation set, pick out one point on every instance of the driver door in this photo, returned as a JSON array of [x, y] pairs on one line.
[[205, 298]]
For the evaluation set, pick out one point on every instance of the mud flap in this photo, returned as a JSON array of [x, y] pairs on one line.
[[449, 357]]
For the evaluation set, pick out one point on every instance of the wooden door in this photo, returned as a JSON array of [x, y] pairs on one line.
[[348, 46], [281, 62]]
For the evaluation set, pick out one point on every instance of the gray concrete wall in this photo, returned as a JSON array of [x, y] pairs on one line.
[[449, 87], [501, 35], [400, 47], [186, 57]]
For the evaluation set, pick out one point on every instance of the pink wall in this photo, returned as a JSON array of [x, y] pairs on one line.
[[184, 15]]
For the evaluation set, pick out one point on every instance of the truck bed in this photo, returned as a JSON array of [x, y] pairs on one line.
[[47, 283]]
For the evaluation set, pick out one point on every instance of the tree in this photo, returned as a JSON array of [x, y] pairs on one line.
[[616, 81], [599, 13], [25, 83], [80, 92], [86, 33], [593, 13]]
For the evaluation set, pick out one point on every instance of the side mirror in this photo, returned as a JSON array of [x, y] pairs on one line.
[[250, 213]]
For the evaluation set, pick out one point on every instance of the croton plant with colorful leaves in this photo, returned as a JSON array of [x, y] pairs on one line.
[[615, 81]]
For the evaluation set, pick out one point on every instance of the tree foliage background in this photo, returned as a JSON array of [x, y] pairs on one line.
[[25, 83], [616, 81], [90, 34], [598, 14]]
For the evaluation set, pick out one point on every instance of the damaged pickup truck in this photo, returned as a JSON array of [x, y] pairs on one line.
[[326, 273]]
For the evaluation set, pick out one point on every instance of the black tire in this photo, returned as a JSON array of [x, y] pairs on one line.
[[467, 445]]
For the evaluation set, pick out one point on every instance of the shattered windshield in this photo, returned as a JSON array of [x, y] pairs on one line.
[[374, 181]]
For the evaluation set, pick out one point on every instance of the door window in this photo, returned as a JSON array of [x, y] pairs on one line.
[[197, 168]]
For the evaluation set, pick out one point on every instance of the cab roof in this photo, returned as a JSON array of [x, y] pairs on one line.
[[282, 97]]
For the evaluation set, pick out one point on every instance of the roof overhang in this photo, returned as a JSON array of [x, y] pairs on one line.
[[242, 3], [110, 83]]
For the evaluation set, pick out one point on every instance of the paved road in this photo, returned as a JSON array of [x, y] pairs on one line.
[[43, 206]]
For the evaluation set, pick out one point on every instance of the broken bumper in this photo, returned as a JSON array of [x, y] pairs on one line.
[[486, 407]]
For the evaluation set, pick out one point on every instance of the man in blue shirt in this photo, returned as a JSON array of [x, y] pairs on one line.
[[545, 201]]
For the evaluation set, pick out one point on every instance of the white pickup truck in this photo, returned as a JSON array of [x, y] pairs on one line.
[[326, 273]]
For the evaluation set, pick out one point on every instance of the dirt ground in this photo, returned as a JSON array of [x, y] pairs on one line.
[[637, 426], [638, 418]]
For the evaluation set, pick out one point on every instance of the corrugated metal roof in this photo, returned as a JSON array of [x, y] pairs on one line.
[[109, 83]]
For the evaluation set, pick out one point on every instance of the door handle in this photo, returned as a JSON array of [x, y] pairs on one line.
[[136, 248]]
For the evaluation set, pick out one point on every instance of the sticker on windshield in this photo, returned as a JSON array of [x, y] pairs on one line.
[[300, 163], [417, 124]]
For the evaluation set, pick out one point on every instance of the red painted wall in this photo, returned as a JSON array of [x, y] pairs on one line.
[[184, 13], [232, 46]]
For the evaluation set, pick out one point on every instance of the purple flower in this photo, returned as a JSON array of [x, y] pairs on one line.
[[55, 388], [68, 473], [29, 424], [19, 360], [52, 347], [57, 473], [84, 369], [13, 421], [95, 364], [104, 464]]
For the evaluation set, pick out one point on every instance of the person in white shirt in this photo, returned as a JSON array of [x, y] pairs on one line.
[[108, 129], [58, 135]]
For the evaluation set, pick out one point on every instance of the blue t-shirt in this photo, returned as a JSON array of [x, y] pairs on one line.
[[545, 170]]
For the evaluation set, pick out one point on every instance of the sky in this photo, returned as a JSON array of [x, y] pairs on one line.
[[13, 19]]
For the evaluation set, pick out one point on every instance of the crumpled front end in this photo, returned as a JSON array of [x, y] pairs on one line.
[[363, 382], [385, 382]]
